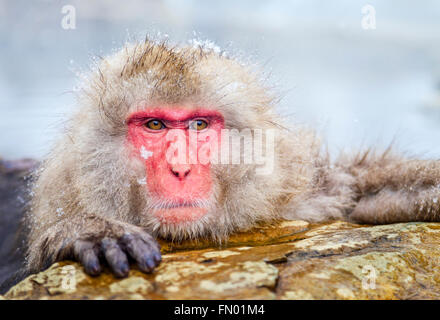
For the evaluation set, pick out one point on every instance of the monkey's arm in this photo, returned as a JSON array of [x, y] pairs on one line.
[[66, 224], [373, 189], [391, 189]]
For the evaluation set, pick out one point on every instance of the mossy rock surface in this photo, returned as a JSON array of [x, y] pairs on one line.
[[290, 260]]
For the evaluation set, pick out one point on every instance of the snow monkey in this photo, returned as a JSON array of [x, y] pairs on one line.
[[130, 166]]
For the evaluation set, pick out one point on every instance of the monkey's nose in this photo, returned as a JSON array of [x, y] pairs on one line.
[[181, 171]]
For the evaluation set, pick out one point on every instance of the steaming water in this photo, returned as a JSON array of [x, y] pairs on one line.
[[357, 87]]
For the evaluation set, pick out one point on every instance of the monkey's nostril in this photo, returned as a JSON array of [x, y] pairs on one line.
[[181, 172], [175, 173]]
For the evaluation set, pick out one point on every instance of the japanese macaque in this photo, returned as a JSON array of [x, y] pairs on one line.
[[141, 159]]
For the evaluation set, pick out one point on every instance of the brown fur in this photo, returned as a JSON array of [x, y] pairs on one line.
[[87, 187]]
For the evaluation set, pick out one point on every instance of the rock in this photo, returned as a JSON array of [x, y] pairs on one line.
[[291, 260], [13, 199], [17, 166]]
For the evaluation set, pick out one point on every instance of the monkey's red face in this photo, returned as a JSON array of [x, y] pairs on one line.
[[176, 146]]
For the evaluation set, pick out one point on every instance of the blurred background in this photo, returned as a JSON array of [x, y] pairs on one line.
[[357, 86]]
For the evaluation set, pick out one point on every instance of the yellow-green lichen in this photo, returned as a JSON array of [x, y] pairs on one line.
[[131, 285]]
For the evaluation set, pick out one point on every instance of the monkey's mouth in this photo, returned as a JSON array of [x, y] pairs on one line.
[[180, 205], [170, 212]]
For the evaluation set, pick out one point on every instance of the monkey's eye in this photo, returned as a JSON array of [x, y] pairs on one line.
[[155, 124], [198, 125]]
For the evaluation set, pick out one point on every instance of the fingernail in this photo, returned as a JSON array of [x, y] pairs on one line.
[[125, 268], [150, 263], [95, 268]]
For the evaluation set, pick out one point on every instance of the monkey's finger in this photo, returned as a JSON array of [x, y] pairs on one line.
[[145, 257], [85, 253], [115, 257], [150, 241], [154, 247]]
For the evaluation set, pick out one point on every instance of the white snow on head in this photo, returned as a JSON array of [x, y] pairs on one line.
[[145, 153], [142, 181], [60, 212], [205, 45], [234, 86]]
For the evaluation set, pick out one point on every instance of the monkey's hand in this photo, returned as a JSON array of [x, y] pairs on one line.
[[116, 251]]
